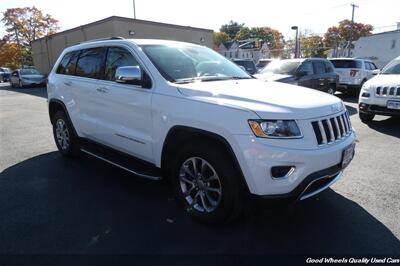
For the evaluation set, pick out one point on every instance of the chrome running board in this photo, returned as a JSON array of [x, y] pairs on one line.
[[151, 177]]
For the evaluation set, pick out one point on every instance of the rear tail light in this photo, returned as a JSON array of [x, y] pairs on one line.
[[353, 72]]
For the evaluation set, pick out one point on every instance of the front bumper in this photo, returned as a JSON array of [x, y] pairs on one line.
[[378, 110], [323, 164], [376, 104], [33, 82]]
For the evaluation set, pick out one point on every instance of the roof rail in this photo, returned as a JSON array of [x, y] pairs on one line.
[[103, 39]]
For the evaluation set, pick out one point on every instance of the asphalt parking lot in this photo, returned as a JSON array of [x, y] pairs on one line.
[[52, 205]]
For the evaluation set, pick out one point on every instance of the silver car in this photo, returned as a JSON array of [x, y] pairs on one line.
[[27, 77]]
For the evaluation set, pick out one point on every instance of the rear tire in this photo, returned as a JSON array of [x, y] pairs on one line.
[[366, 118], [64, 135], [206, 182]]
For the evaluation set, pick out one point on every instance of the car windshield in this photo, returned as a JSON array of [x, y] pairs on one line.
[[189, 63], [5, 69], [392, 68], [29, 71], [346, 63], [281, 67]]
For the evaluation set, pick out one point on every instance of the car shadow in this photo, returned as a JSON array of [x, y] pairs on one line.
[[56, 205], [389, 126], [34, 91]]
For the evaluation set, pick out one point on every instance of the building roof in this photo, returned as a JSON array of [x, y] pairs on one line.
[[382, 33], [117, 18]]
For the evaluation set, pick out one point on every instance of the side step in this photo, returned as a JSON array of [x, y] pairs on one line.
[[121, 160]]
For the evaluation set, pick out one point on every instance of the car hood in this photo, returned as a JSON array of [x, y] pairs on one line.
[[272, 77], [384, 80], [268, 99]]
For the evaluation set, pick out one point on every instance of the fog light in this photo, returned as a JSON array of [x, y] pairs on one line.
[[282, 171], [366, 94]]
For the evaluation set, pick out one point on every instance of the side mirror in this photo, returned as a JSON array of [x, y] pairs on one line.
[[243, 68], [376, 72], [128, 74], [301, 74]]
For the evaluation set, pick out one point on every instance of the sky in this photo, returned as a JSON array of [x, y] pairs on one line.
[[314, 15]]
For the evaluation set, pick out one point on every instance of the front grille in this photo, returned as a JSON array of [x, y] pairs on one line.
[[387, 91], [332, 129]]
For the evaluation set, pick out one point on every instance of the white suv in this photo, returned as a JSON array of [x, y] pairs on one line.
[[353, 73], [381, 95], [163, 109]]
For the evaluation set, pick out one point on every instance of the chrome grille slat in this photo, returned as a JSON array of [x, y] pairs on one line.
[[322, 130], [387, 91], [332, 129]]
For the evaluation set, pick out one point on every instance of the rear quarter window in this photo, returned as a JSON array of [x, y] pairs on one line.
[[68, 63]]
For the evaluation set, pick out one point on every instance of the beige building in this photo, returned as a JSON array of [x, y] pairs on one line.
[[46, 50]]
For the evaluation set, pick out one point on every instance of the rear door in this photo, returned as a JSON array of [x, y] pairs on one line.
[[83, 85], [124, 120]]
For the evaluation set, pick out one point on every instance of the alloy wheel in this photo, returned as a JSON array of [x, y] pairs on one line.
[[200, 184], [62, 134]]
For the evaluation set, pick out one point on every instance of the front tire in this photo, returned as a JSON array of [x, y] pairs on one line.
[[366, 118], [206, 182], [64, 135]]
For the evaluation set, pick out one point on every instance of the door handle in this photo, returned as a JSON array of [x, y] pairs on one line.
[[102, 90], [68, 83]]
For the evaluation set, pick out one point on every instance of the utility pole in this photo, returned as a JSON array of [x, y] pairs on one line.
[[134, 10], [351, 28]]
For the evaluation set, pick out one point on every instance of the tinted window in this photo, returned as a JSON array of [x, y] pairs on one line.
[[90, 63], [347, 63], [328, 67], [68, 64], [282, 67], [307, 67], [319, 67], [63, 64], [117, 57]]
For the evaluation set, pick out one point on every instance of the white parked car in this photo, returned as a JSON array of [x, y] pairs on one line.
[[163, 109], [381, 95], [353, 73]]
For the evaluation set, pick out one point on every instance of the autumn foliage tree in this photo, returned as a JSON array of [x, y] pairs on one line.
[[341, 32], [272, 37], [24, 25], [219, 37]]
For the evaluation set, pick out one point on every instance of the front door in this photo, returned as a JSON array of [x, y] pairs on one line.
[[307, 78], [124, 118]]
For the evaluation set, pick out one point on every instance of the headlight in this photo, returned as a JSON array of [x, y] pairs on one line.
[[275, 128]]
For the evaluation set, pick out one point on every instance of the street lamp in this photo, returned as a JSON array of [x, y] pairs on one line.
[[297, 45]]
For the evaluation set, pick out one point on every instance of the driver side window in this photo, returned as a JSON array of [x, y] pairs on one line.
[[118, 57], [306, 67]]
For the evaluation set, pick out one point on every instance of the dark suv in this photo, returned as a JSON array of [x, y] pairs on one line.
[[314, 73]]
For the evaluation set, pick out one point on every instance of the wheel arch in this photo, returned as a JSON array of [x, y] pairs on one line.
[[180, 134], [56, 105]]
